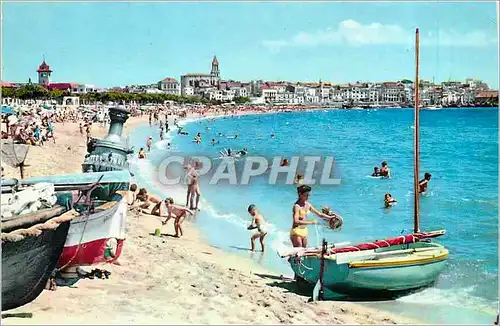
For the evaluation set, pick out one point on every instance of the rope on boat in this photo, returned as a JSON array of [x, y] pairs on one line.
[[37, 229], [300, 263], [87, 214]]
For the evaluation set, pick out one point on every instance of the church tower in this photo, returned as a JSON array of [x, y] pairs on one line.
[[44, 74], [215, 67]]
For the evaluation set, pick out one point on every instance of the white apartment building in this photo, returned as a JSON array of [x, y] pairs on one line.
[[392, 92], [170, 86], [188, 91], [269, 94], [240, 91]]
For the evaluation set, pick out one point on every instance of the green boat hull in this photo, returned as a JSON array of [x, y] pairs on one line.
[[382, 281]]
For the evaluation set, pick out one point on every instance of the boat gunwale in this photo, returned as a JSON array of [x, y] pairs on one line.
[[406, 261]]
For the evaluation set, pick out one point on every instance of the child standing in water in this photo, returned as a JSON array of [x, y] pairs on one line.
[[259, 224]]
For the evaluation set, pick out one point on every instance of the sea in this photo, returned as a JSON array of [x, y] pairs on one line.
[[458, 146]]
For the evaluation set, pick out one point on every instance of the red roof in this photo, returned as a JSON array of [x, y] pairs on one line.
[[487, 94], [266, 87], [63, 86], [6, 84], [169, 80], [44, 67]]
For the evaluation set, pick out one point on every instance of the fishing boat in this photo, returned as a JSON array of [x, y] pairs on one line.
[[95, 237], [31, 246], [383, 268]]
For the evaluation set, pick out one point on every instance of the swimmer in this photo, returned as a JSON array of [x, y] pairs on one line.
[[424, 182], [284, 162], [376, 172], [178, 213], [389, 201], [168, 145], [149, 142], [142, 153], [335, 220], [299, 179], [385, 171], [259, 224], [213, 142]]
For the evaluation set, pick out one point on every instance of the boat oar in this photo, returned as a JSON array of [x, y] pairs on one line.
[[318, 293]]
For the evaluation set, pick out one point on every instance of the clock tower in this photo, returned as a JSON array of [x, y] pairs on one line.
[[44, 74]]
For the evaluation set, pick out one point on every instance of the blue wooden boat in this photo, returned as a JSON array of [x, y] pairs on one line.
[[385, 268], [385, 272]]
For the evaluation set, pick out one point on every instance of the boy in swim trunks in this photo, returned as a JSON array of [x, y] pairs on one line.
[[178, 213], [424, 183], [259, 224]]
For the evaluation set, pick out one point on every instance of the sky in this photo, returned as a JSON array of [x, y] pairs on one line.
[[112, 44]]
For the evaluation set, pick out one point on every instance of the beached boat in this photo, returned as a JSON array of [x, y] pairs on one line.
[[385, 268], [31, 247], [99, 235]]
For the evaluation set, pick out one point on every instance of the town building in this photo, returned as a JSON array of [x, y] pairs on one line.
[[44, 73], [169, 86], [199, 81]]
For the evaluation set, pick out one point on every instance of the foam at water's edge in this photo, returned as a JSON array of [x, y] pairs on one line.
[[455, 297]]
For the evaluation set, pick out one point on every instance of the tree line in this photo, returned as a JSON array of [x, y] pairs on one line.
[[38, 92]]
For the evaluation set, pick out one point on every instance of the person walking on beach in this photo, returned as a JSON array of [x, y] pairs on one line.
[[422, 185], [178, 213], [301, 208], [149, 142], [259, 224]]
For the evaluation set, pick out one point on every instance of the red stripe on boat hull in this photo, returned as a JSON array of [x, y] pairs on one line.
[[89, 253]]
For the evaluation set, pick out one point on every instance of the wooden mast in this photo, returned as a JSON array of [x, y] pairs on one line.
[[416, 191]]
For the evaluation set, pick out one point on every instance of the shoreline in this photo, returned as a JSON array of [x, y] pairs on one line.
[[182, 280]]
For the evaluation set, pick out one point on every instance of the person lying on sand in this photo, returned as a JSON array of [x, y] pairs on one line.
[[259, 224], [145, 200], [178, 213]]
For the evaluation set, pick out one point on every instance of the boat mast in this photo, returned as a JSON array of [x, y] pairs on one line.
[[416, 216]]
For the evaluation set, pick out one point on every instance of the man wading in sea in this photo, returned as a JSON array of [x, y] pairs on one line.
[[424, 183], [193, 185]]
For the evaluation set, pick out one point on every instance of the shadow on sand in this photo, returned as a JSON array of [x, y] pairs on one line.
[[303, 288], [164, 235]]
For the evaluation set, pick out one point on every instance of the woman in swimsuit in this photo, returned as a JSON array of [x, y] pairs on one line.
[[298, 233]]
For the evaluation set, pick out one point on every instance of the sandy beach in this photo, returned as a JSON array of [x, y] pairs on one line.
[[165, 280]]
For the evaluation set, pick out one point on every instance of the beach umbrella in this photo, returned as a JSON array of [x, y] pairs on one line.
[[7, 111]]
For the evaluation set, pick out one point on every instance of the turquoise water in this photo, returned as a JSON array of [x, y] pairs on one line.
[[458, 146]]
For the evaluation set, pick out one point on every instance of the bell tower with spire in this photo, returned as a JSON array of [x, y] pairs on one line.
[[215, 67], [44, 72]]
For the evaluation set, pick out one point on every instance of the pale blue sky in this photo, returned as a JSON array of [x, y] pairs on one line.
[[110, 44]]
